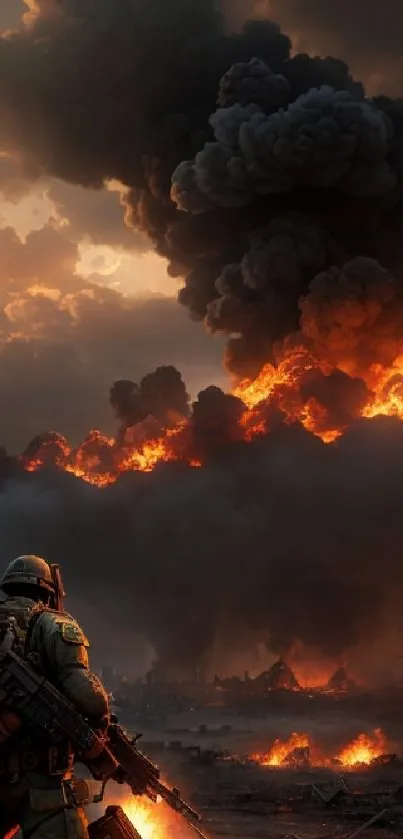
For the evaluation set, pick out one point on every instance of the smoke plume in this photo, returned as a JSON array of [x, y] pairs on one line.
[[290, 134], [285, 540], [337, 28], [272, 184], [161, 395]]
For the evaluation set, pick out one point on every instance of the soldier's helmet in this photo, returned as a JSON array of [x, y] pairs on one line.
[[28, 570]]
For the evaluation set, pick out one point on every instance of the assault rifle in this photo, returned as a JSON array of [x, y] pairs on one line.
[[26, 697]]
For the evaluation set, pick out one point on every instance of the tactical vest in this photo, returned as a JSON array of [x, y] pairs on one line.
[[27, 751], [20, 614]]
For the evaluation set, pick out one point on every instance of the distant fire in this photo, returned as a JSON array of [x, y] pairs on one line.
[[303, 676], [280, 750], [290, 391], [362, 751], [311, 674]]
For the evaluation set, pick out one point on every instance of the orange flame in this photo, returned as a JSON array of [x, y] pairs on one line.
[[100, 460], [312, 675], [364, 749], [152, 821], [361, 752], [280, 751]]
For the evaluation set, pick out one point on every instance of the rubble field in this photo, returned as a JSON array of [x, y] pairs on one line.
[[219, 768]]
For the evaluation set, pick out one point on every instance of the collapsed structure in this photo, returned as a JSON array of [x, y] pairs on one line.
[[161, 693], [278, 677], [340, 681]]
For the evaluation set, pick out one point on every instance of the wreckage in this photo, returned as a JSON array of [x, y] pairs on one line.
[[278, 677]]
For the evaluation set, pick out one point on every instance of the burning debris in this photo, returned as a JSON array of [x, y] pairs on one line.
[[364, 750], [298, 752], [282, 753]]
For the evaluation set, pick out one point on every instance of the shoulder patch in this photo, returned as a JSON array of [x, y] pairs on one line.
[[71, 633]]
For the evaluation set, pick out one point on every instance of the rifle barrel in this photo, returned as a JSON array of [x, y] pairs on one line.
[[175, 801]]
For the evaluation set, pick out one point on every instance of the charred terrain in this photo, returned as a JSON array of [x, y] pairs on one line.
[[277, 773], [267, 757]]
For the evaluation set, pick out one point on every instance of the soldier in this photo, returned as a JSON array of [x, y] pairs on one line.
[[37, 791]]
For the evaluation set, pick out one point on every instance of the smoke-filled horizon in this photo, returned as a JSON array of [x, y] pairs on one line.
[[272, 185], [285, 539]]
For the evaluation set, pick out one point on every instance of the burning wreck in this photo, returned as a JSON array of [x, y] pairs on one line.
[[279, 677], [300, 751]]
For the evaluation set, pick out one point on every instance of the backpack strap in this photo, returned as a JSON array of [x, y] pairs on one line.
[[35, 615]]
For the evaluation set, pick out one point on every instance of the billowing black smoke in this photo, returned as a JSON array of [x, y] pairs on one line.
[[274, 188], [251, 170], [288, 537], [161, 395], [329, 153]]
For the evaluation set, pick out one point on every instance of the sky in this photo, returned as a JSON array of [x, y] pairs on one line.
[[84, 299], [364, 33], [10, 13], [60, 349], [61, 358]]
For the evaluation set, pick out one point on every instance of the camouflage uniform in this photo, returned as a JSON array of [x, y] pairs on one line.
[[37, 791]]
